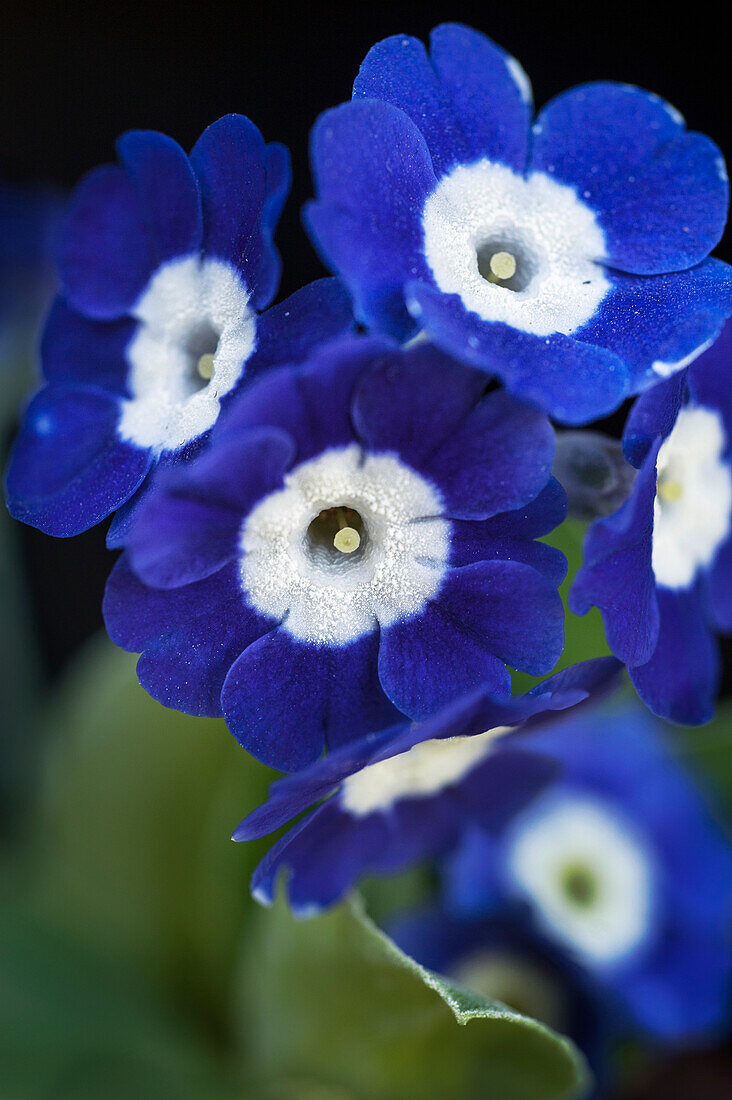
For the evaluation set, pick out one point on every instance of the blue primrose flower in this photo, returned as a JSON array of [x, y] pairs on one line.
[[568, 258], [660, 568], [409, 791], [358, 540], [165, 262], [620, 865], [501, 956]]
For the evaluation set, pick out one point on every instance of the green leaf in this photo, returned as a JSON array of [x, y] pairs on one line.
[[584, 635], [134, 824], [72, 1025], [333, 1000]]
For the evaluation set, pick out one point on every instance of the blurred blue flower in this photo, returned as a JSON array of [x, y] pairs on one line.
[[660, 568], [165, 263], [621, 866], [569, 259], [358, 537], [409, 791]]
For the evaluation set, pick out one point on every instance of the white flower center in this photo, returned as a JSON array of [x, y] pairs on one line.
[[296, 568], [525, 251], [693, 505], [195, 335], [424, 770], [517, 982], [589, 878]]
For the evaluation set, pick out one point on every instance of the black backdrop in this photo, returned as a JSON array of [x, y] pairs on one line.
[[74, 75]]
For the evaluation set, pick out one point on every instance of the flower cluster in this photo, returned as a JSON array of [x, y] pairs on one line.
[[331, 508]]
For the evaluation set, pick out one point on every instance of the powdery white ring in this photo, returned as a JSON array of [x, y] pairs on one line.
[[189, 307], [332, 600], [422, 771], [692, 511], [577, 831], [554, 235]]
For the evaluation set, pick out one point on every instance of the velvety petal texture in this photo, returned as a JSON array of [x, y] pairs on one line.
[[467, 96], [163, 261], [660, 193], [663, 578], [68, 468], [600, 219], [617, 575], [444, 587], [363, 223]]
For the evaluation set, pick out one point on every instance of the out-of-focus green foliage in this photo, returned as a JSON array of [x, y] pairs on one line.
[[355, 1012], [136, 962], [138, 807], [584, 635], [73, 1024]]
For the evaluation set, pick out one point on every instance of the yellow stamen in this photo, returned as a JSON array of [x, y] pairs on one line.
[[668, 489], [206, 365], [347, 540], [503, 265]]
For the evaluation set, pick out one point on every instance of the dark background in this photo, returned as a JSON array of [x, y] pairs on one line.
[[75, 75]]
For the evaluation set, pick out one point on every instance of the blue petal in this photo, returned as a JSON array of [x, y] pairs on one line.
[[167, 192], [653, 415], [710, 379], [68, 467], [499, 459], [463, 716], [292, 794], [284, 699], [311, 403], [512, 776], [538, 517], [617, 575], [324, 855], [657, 325], [190, 636], [473, 875], [92, 353], [373, 173], [484, 456], [471, 541], [487, 614], [571, 380], [288, 332], [464, 97], [230, 161], [413, 401], [681, 680], [104, 255], [279, 181], [682, 990], [119, 529], [188, 525], [719, 589], [660, 193]]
